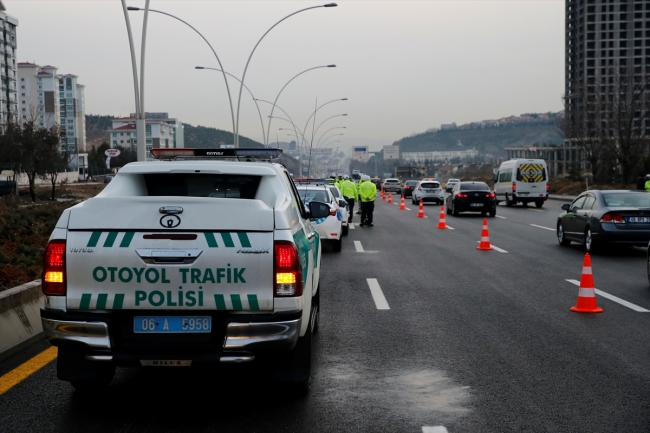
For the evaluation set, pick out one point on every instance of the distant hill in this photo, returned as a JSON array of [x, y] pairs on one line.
[[490, 139], [195, 136]]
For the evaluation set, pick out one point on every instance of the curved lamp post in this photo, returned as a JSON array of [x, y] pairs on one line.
[[243, 77], [321, 124], [140, 121], [318, 108], [283, 87], [321, 136], [330, 136], [264, 139], [133, 8]]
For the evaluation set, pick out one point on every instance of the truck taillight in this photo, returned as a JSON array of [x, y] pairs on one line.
[[287, 269], [53, 280], [514, 187]]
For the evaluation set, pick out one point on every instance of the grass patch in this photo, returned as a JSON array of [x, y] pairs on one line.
[[24, 232]]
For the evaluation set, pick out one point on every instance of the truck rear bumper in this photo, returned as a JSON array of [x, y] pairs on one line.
[[243, 338]]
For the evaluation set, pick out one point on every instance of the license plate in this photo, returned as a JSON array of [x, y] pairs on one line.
[[638, 219], [165, 362], [172, 324], [476, 204], [523, 193]]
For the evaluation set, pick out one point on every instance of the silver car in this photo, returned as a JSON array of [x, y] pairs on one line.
[[450, 184], [392, 185], [428, 191]]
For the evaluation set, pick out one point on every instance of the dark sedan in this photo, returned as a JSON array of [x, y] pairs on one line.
[[599, 217], [471, 197], [409, 186]]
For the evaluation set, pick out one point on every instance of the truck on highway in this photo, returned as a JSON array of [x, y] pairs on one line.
[[183, 262]]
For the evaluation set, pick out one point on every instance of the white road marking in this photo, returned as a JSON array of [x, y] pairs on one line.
[[408, 208], [495, 248], [450, 228], [535, 210], [358, 246], [615, 299], [351, 226], [377, 294], [542, 227], [436, 429], [499, 216]]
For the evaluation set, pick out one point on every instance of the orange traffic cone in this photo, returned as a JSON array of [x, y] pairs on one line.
[[383, 195], [485, 238], [587, 293], [442, 224], [390, 198], [421, 211], [402, 205]]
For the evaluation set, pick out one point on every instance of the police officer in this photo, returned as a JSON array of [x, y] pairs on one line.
[[367, 194], [647, 182], [349, 191], [332, 179]]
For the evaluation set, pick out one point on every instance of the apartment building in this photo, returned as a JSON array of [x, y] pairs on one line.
[[160, 133], [179, 139], [72, 108], [8, 75], [38, 89]]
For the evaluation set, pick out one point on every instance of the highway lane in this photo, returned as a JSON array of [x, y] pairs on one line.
[[473, 341]]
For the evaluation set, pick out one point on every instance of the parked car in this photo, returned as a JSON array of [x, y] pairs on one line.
[[377, 181], [409, 186], [450, 184], [471, 197], [428, 191], [329, 228], [596, 218], [342, 203], [392, 185]]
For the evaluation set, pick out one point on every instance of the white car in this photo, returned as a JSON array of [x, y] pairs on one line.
[[427, 191], [330, 228], [343, 206], [182, 261]]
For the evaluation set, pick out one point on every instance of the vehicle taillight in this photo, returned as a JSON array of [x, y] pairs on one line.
[[53, 281], [514, 187], [407, 187], [490, 195], [419, 188], [612, 218], [461, 195], [287, 269], [333, 212]]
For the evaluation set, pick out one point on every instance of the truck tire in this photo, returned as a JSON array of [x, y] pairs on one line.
[[84, 375], [539, 204], [294, 367], [508, 201]]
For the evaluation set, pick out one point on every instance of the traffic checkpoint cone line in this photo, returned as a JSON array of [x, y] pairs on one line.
[[485, 238], [383, 195], [402, 205], [390, 198], [442, 224], [587, 292], [421, 211]]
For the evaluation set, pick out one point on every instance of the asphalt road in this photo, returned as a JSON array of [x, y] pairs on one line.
[[463, 340]]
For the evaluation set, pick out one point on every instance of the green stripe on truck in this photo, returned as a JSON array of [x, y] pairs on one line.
[[252, 302], [110, 239], [94, 238], [212, 242], [118, 302], [227, 240], [101, 301], [126, 240], [85, 301], [236, 302], [220, 301], [243, 239]]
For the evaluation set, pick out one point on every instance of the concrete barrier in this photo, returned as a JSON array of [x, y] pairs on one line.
[[20, 318]]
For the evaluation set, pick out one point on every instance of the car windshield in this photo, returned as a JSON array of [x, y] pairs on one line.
[[334, 191], [430, 185], [478, 186], [626, 199], [308, 195]]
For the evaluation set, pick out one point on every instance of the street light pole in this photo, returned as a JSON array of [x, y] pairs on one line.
[[140, 122], [251, 55], [133, 8], [283, 87], [264, 140], [321, 124], [318, 108], [336, 127]]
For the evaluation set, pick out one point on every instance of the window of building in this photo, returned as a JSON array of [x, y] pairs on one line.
[[22, 79], [70, 114], [68, 95], [22, 94], [70, 120]]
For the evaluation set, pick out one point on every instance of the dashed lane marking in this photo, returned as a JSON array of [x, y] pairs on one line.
[[351, 226], [495, 248], [535, 210], [499, 216], [436, 429], [377, 294], [616, 299], [358, 246], [23, 371], [542, 227]]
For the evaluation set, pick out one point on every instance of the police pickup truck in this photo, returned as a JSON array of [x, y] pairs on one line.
[[183, 261]]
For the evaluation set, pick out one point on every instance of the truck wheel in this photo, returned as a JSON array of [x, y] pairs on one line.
[[508, 201], [84, 375], [294, 367], [524, 203], [539, 204]]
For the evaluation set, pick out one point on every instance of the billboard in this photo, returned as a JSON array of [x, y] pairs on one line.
[[360, 153], [391, 152]]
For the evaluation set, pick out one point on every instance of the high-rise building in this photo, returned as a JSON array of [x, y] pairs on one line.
[[73, 113], [8, 96], [39, 94]]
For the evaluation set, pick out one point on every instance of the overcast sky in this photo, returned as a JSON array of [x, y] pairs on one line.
[[406, 66]]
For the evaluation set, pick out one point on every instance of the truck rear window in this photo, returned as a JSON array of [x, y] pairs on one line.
[[202, 185]]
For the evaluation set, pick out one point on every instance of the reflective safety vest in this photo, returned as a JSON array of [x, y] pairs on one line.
[[349, 190], [367, 191], [332, 180]]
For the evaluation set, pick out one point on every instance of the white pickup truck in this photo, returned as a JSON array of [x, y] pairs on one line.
[[185, 261]]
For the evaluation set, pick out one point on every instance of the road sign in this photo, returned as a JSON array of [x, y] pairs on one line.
[[112, 152], [360, 153], [391, 152]]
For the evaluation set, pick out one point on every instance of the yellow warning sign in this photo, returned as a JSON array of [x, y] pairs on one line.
[[532, 173]]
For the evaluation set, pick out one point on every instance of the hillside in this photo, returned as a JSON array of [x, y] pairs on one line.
[[195, 136], [491, 140]]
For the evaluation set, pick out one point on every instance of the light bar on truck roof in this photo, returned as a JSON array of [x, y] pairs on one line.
[[245, 154]]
